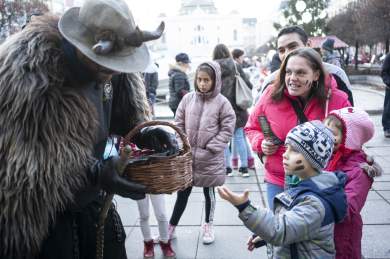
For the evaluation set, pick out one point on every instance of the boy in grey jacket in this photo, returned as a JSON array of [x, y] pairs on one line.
[[302, 223]]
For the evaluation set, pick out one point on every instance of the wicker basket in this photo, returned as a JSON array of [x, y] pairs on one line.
[[166, 174]]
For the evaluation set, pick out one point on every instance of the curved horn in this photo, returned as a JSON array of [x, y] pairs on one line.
[[138, 37], [103, 47]]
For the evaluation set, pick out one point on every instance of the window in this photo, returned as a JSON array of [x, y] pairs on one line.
[[235, 35]]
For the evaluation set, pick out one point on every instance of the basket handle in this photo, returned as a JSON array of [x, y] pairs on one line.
[[135, 130]]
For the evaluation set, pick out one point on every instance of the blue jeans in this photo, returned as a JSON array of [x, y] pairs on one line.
[[228, 161], [272, 191], [240, 147]]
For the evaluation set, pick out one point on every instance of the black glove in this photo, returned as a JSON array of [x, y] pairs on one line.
[[105, 176], [157, 139]]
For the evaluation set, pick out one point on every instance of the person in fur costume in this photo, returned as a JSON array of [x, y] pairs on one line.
[[61, 96]]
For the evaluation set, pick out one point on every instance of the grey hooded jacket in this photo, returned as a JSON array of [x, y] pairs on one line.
[[306, 221]]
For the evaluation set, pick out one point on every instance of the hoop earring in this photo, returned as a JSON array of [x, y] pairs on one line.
[[317, 83]]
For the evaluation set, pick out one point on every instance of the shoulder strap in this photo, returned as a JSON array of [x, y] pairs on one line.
[[298, 111], [235, 68]]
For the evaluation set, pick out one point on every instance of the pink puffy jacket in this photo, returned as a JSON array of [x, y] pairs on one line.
[[282, 119], [208, 120]]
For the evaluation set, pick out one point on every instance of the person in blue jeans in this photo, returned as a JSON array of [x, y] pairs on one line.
[[229, 63], [239, 149]]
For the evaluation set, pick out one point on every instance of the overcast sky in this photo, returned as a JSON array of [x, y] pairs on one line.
[[142, 9]]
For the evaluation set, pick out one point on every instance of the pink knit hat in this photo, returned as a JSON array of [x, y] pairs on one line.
[[358, 127]]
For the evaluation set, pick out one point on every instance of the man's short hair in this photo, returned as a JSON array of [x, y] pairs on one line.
[[294, 29]]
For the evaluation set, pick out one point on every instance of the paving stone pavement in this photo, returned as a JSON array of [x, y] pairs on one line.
[[231, 235]]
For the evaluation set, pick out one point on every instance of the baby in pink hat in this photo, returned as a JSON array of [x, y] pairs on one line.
[[352, 127]]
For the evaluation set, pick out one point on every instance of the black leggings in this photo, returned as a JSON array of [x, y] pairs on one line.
[[181, 204]]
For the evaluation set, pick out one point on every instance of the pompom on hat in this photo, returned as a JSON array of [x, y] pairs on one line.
[[358, 127], [314, 141]]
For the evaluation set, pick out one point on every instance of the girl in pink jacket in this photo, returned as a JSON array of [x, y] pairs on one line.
[[352, 127], [302, 81], [208, 120]]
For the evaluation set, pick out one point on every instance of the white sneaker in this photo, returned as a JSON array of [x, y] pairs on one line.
[[208, 233], [245, 174]]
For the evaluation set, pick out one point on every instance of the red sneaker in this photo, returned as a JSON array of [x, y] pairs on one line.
[[148, 249], [167, 249]]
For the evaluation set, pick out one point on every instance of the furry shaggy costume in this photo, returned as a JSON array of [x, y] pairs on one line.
[[48, 131]]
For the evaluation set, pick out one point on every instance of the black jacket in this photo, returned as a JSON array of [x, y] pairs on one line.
[[229, 88], [386, 71], [178, 86], [151, 82]]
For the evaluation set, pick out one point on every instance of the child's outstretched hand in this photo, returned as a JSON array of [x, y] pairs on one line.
[[255, 241], [233, 198]]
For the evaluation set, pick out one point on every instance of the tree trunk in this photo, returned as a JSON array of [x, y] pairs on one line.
[[387, 45], [356, 54]]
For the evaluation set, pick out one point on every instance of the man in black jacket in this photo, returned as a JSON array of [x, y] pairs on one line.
[[386, 107], [151, 84], [178, 80]]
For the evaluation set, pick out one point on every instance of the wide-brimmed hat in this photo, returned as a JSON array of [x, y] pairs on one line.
[[105, 32]]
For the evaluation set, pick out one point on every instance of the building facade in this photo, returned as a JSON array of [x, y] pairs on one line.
[[198, 27]]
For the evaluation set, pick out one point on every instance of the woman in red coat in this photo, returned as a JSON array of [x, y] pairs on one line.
[[303, 82]]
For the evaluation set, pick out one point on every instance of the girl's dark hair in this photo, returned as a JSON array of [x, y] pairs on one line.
[[315, 62], [237, 53], [221, 51], [207, 69]]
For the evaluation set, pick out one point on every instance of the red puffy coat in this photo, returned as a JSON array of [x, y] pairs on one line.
[[282, 118]]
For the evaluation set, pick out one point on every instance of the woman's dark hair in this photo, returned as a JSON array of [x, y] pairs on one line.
[[314, 60], [237, 53], [221, 51], [208, 70]]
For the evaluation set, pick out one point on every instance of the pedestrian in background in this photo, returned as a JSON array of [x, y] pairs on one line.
[[275, 63], [328, 53], [221, 54], [240, 146], [178, 80], [151, 84], [386, 106], [302, 223], [351, 127], [301, 93], [208, 119]]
